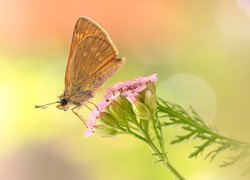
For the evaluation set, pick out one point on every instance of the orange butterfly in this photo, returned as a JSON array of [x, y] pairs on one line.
[[93, 58]]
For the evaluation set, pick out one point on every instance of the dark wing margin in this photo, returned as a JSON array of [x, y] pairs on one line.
[[83, 28], [95, 60]]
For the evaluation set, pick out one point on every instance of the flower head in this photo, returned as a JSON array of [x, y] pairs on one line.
[[122, 103]]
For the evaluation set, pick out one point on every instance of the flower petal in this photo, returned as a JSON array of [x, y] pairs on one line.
[[89, 132], [103, 104], [131, 99], [152, 79]]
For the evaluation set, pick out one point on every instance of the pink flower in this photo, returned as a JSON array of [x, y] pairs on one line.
[[103, 104], [92, 118], [130, 90], [89, 132], [152, 78], [140, 88], [116, 87], [130, 96]]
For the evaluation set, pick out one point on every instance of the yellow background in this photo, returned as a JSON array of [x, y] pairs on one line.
[[199, 49]]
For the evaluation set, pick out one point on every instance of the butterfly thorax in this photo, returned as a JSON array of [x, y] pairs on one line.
[[72, 98]]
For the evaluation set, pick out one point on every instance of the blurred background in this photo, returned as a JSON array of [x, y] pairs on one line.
[[199, 49]]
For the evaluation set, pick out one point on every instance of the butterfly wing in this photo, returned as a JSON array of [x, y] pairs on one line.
[[83, 28], [94, 60]]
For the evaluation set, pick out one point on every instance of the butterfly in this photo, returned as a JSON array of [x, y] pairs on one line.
[[93, 58]]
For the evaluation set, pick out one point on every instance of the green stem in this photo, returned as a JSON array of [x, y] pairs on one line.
[[160, 153], [163, 157], [137, 136], [161, 142], [145, 135]]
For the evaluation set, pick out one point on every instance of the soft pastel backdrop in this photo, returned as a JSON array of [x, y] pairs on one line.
[[200, 50]]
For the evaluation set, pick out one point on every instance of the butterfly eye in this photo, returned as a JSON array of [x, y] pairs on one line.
[[63, 102]]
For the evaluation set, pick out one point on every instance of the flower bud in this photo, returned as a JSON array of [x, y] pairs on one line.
[[150, 101], [123, 102], [108, 120], [151, 87], [141, 110], [115, 110], [105, 131]]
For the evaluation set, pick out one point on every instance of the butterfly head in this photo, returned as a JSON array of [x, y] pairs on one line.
[[63, 104]]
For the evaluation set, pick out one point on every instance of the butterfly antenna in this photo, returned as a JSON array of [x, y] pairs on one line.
[[45, 105]]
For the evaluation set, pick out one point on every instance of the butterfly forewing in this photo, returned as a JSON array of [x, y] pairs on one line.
[[83, 28], [93, 62]]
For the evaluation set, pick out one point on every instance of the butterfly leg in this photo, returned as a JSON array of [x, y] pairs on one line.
[[93, 104], [88, 107], [74, 110]]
